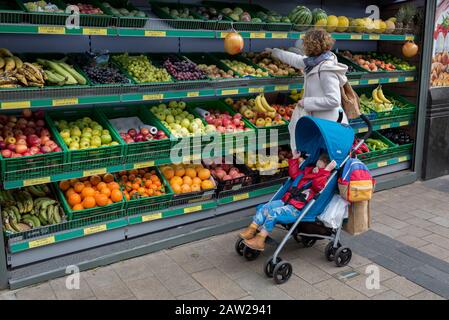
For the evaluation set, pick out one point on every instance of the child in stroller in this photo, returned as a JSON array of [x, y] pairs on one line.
[[311, 180]]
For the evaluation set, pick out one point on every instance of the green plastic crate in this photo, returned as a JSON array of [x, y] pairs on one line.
[[137, 206], [219, 56], [375, 153], [409, 107], [224, 24], [47, 18], [249, 60], [145, 150], [92, 158], [94, 20], [206, 58], [238, 139], [39, 165], [379, 70], [11, 12], [116, 209], [126, 22], [178, 23]]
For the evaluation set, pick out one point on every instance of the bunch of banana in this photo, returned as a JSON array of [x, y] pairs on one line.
[[24, 201], [12, 220], [261, 105], [8, 66], [6, 198], [47, 211], [39, 190], [382, 103], [30, 75]]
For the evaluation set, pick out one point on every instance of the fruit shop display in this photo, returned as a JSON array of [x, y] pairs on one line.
[[42, 6], [397, 62], [142, 69], [208, 13], [224, 122], [59, 72], [301, 16], [136, 131], [183, 69], [124, 12], [100, 73], [237, 14], [180, 122], [84, 134], [362, 149], [87, 8], [91, 192], [376, 144], [296, 95], [26, 135], [142, 183], [188, 178], [215, 72], [397, 136], [28, 208], [274, 66], [179, 13], [272, 17], [285, 111], [378, 102], [369, 62], [257, 111], [245, 69], [265, 164], [228, 175]]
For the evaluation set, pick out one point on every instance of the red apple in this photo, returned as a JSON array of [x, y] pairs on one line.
[[58, 149], [227, 177], [12, 147], [3, 119], [144, 131], [33, 140], [31, 124], [16, 155], [132, 132], [12, 119], [34, 150], [27, 113], [39, 114], [21, 142], [2, 145], [6, 153], [44, 139], [22, 121], [40, 123], [45, 132], [29, 131], [20, 148], [45, 149], [27, 154]]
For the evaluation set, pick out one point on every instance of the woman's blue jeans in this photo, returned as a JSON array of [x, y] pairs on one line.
[[274, 212]]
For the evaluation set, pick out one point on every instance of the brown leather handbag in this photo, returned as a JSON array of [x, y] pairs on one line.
[[350, 101]]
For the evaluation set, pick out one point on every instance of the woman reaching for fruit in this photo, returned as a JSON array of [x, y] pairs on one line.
[[322, 81]]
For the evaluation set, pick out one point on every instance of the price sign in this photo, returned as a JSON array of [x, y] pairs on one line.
[[382, 164], [373, 81], [155, 34], [157, 96], [151, 217], [229, 92], [94, 229], [65, 102], [41, 242], [94, 172], [242, 196], [32, 182], [141, 165], [281, 88], [356, 37], [192, 209], [51, 30], [95, 31], [278, 35], [256, 90], [16, 105], [193, 94], [257, 35]]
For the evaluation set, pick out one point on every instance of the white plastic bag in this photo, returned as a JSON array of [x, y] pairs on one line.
[[335, 212], [298, 113]]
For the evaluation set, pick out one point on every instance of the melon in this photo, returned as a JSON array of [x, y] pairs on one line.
[[369, 25], [319, 17], [343, 24], [390, 26], [332, 23]]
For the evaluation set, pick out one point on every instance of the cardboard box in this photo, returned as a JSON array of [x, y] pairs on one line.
[[359, 218]]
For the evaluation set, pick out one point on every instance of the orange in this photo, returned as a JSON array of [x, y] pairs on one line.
[[84, 179], [187, 180], [87, 192], [185, 188], [113, 186], [127, 196], [157, 193], [69, 192], [154, 178], [123, 173], [106, 192], [158, 183], [78, 187], [142, 172], [148, 183], [134, 171], [73, 181], [176, 188], [191, 172], [168, 172], [141, 190], [101, 200], [196, 187], [94, 180], [64, 185], [116, 195], [198, 167], [207, 184], [138, 180], [74, 199], [124, 178], [204, 174], [108, 178], [180, 171], [87, 184], [101, 185], [78, 207], [150, 192], [135, 186], [196, 180], [110, 201], [132, 177], [176, 180], [89, 202], [147, 175]]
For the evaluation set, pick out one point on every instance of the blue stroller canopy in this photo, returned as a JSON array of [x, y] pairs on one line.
[[314, 136]]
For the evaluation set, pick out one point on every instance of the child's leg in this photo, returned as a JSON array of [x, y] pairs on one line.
[[259, 219]]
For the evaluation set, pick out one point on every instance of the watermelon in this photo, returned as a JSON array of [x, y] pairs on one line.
[[302, 17], [319, 16]]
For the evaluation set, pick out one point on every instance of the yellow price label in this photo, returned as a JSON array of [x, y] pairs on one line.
[[382, 164], [374, 37], [16, 105], [278, 35], [402, 159], [256, 90], [95, 31], [356, 37], [391, 80], [141, 165], [64, 102], [151, 217], [281, 88], [94, 172], [403, 123], [157, 96], [51, 30], [302, 35], [193, 94], [193, 209], [257, 35], [361, 130], [373, 81], [242, 196], [384, 126], [95, 229], [409, 78], [155, 33], [409, 37], [229, 92], [41, 242], [32, 182], [354, 83]]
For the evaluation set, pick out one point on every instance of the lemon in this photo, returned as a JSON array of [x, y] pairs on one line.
[[343, 24]]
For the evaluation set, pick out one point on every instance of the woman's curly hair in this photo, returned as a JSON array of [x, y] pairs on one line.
[[317, 41]]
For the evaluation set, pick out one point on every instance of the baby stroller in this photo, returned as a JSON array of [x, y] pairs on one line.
[[313, 136]]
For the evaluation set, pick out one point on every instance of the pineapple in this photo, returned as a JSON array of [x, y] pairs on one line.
[[405, 17]]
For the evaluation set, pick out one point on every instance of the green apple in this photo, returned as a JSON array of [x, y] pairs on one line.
[[68, 141], [165, 123], [87, 120], [87, 130], [191, 117], [173, 104], [162, 106], [83, 139], [105, 132], [198, 122], [65, 133], [84, 144], [210, 128], [193, 127], [184, 132], [106, 138], [75, 139], [75, 132], [185, 123], [96, 133], [167, 112], [160, 115], [93, 124], [154, 109], [178, 118], [97, 127], [86, 135], [95, 142], [182, 104], [170, 119], [74, 146]]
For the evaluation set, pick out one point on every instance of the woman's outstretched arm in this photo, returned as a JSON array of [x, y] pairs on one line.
[[293, 59]]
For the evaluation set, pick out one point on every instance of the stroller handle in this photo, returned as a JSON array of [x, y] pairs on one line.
[[369, 125]]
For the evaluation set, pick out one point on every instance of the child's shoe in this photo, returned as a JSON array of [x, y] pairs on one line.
[[249, 232], [256, 243]]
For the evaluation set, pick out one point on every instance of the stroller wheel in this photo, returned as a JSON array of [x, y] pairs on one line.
[[342, 256], [307, 242], [329, 251], [239, 245], [269, 266], [282, 272], [250, 254]]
